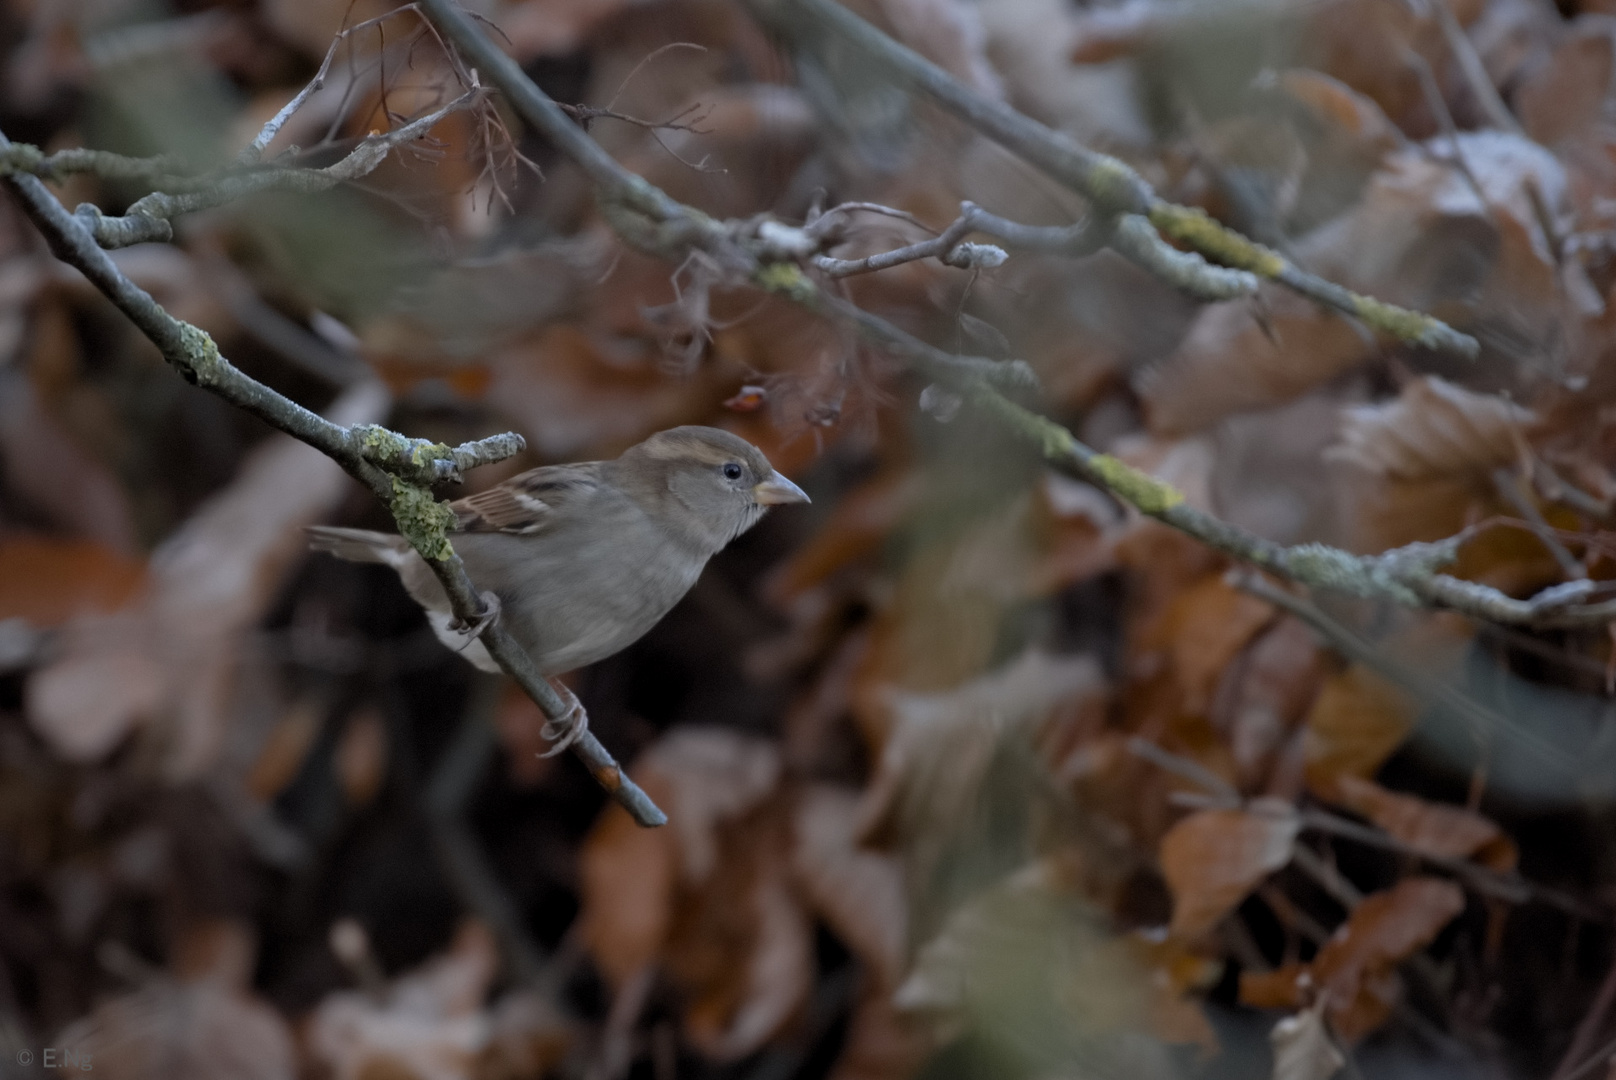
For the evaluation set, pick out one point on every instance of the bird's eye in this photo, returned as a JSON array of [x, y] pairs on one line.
[[732, 471]]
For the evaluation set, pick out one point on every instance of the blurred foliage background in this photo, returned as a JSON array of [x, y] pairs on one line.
[[972, 771]]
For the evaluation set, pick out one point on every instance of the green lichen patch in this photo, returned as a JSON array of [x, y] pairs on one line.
[[1400, 323], [1113, 184], [1133, 486], [422, 519], [22, 158], [389, 449], [1201, 231], [200, 355], [1325, 567], [787, 279]]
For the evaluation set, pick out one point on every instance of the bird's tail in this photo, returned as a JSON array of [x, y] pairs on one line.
[[359, 545]]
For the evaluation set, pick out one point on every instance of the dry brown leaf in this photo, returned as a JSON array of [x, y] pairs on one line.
[[1163, 561], [858, 893], [1356, 968], [535, 28], [709, 897], [949, 34], [528, 1039], [1032, 43], [881, 1043], [169, 659], [44, 465], [360, 759], [1355, 724], [431, 1026], [929, 776], [741, 950], [1419, 237], [282, 755], [52, 581], [941, 625], [1346, 113], [1206, 626], [628, 876], [1283, 988], [1565, 97], [1231, 362], [1429, 828], [1433, 430], [1213, 858], [1303, 1049], [1354, 975], [1032, 962], [1265, 694], [311, 24], [856, 528], [573, 397], [202, 1024]]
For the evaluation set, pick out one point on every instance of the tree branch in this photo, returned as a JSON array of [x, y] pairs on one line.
[[421, 518], [1114, 189], [150, 218], [768, 253]]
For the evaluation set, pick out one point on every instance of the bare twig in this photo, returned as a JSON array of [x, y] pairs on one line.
[[149, 218], [1481, 718], [23, 158], [768, 254], [1111, 186], [947, 247], [1470, 65], [1510, 887], [1509, 487]]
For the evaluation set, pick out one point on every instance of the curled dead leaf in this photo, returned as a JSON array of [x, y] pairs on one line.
[[708, 900], [1429, 828], [1032, 962], [170, 659], [1213, 858], [1433, 430], [1354, 975], [200, 1024], [859, 893], [1355, 724]]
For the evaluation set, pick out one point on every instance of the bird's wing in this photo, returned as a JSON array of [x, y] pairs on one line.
[[530, 501]]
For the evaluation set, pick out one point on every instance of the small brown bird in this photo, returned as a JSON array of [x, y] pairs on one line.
[[581, 560]]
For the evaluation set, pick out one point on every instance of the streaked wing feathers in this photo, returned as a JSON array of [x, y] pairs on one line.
[[529, 501]]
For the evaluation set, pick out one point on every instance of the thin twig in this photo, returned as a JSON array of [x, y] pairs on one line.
[[1511, 887], [149, 218], [1481, 718], [1470, 65], [1113, 188], [1509, 487], [767, 254]]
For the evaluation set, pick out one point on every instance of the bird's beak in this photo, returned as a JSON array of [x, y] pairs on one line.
[[777, 489]]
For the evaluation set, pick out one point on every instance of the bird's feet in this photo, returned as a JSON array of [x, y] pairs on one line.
[[570, 727], [490, 615]]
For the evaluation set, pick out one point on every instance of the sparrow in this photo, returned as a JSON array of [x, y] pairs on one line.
[[579, 561]]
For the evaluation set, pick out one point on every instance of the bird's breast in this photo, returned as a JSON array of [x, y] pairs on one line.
[[574, 608]]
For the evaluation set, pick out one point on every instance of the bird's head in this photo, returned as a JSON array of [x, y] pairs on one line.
[[717, 485]]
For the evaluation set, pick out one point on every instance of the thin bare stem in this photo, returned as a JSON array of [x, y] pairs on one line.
[[150, 218], [1114, 189]]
